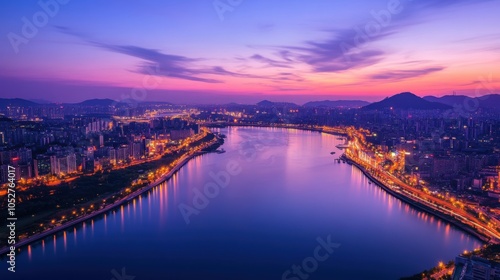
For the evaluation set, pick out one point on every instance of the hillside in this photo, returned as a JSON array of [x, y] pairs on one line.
[[337, 104], [406, 101]]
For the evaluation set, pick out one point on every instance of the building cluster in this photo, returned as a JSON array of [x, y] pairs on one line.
[[457, 152], [476, 268], [46, 150], [461, 152]]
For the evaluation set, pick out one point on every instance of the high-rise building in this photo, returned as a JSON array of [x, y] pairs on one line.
[[89, 153], [63, 165], [112, 156], [25, 171], [72, 163], [4, 172], [4, 157], [89, 166], [476, 268], [41, 166], [180, 134], [122, 154], [25, 155], [54, 166], [136, 150]]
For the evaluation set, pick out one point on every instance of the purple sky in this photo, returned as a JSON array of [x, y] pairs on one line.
[[194, 51]]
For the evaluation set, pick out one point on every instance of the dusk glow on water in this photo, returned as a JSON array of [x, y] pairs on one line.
[[289, 193], [250, 139]]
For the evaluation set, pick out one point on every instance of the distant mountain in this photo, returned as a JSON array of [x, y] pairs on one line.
[[97, 102], [40, 101], [18, 102], [267, 103], [448, 99], [147, 102], [406, 101], [233, 104], [491, 101], [337, 104]]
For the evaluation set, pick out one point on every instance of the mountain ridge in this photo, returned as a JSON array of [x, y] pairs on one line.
[[406, 101], [337, 104], [490, 101]]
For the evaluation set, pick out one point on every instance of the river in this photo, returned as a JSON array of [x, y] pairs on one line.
[[276, 198]]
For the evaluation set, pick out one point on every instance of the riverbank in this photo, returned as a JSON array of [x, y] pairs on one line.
[[445, 217], [181, 162], [335, 131], [291, 192], [407, 199], [417, 204]]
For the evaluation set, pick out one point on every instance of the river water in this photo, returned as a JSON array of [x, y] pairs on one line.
[[275, 205]]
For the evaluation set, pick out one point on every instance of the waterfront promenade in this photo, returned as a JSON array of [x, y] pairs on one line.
[[179, 164], [461, 220]]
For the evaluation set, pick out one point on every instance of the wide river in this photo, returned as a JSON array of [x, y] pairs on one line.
[[281, 201]]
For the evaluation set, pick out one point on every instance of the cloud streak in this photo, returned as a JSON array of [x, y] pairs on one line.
[[270, 62], [162, 64], [350, 48], [398, 75], [167, 65]]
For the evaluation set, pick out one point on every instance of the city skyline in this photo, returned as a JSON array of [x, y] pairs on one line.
[[250, 139], [242, 51]]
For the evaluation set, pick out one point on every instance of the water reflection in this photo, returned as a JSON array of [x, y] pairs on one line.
[[84, 230], [65, 241], [75, 234], [268, 214], [134, 203], [55, 244], [105, 223], [122, 219], [447, 232], [140, 206]]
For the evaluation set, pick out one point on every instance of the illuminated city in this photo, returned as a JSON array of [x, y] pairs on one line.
[[250, 140]]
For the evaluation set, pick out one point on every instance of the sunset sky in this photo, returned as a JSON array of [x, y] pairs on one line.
[[206, 51]]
